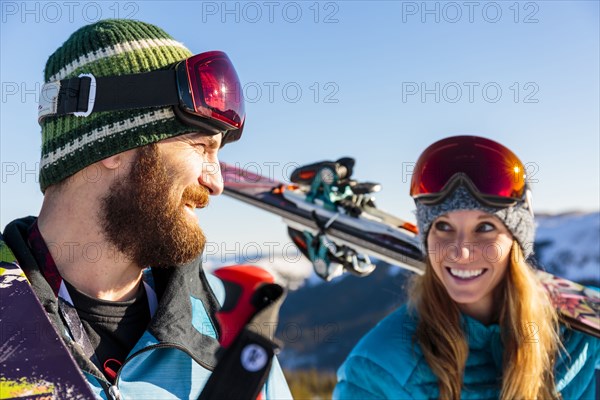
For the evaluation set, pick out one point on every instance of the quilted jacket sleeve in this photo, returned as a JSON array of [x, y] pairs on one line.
[[360, 378]]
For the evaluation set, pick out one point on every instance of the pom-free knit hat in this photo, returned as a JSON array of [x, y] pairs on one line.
[[107, 48]]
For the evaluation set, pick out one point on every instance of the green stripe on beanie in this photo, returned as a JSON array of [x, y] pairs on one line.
[[84, 151], [107, 48], [72, 133], [97, 38]]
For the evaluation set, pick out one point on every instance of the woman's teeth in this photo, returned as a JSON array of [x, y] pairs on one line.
[[466, 274]]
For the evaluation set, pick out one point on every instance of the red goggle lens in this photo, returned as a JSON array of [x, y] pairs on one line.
[[216, 89], [491, 167]]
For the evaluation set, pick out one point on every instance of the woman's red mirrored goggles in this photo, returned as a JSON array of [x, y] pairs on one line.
[[204, 89], [491, 172]]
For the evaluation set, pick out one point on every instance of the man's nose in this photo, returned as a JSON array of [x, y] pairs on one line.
[[211, 178]]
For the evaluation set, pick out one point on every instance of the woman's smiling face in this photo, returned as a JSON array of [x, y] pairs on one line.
[[469, 251]]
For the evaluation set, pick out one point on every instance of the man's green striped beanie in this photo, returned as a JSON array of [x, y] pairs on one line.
[[107, 48]]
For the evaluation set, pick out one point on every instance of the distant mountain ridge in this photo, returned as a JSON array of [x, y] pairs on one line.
[[568, 245]]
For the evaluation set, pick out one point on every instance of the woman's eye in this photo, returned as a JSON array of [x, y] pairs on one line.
[[443, 226], [486, 227]]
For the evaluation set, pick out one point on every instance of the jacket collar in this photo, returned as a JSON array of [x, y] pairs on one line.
[[172, 323]]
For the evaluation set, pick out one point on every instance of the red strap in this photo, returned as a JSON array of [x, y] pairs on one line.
[[111, 367]]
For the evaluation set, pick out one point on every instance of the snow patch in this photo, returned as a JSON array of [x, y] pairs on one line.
[[290, 272], [568, 245]]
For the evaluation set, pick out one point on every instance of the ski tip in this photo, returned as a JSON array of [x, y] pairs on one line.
[[410, 227]]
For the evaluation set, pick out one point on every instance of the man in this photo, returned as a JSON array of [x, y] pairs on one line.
[[130, 138]]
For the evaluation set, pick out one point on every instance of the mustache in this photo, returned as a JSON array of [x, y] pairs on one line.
[[197, 195]]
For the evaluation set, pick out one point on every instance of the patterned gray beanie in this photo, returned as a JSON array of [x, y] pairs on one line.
[[518, 219]]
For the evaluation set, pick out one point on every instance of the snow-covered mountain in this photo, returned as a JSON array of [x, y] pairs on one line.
[[291, 272], [568, 245]]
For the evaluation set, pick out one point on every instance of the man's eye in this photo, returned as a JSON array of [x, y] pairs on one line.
[[443, 226]]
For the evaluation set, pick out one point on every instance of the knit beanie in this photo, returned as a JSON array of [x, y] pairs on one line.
[[107, 48], [518, 219]]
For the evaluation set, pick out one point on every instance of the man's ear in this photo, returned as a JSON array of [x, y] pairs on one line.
[[112, 162], [120, 160]]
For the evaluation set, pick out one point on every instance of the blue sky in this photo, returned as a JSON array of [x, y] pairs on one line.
[[378, 81]]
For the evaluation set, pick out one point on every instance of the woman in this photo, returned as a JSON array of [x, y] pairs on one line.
[[478, 324]]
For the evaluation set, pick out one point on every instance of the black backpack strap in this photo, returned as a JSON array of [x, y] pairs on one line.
[[242, 370]]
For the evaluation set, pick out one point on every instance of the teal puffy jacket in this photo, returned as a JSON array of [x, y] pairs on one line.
[[386, 365]]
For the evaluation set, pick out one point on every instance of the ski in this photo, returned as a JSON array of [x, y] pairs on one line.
[[35, 364], [335, 223], [391, 243], [579, 305]]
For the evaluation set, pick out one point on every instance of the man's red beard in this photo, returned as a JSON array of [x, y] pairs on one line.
[[146, 220]]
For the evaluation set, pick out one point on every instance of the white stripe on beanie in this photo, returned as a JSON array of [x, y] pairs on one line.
[[116, 49], [105, 132]]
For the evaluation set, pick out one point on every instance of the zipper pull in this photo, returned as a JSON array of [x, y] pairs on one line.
[[114, 393]]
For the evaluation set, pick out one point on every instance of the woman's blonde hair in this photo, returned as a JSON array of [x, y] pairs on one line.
[[528, 324]]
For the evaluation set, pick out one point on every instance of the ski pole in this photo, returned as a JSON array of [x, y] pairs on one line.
[[241, 282], [252, 302]]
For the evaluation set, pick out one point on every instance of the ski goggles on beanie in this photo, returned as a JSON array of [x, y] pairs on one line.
[[490, 171], [204, 89]]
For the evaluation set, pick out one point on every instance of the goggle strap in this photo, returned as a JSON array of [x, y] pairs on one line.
[[461, 179], [112, 93]]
